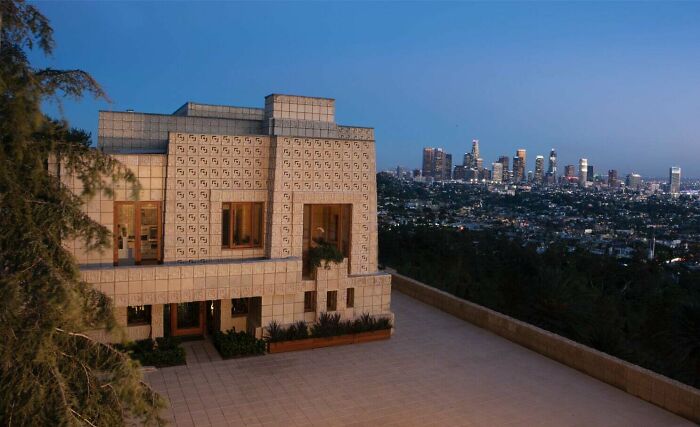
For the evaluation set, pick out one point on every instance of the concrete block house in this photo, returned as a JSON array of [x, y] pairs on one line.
[[231, 201]]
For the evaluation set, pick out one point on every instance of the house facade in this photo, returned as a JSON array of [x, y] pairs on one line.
[[232, 201]]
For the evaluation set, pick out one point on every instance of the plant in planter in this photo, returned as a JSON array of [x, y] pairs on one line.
[[323, 254], [297, 331], [327, 325], [275, 332]]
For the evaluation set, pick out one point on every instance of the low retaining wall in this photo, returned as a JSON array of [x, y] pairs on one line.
[[669, 394]]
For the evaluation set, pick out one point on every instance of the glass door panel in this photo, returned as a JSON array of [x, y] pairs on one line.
[[125, 233], [150, 232], [188, 315]]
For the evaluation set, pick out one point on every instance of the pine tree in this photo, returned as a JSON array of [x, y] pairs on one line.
[[51, 372]]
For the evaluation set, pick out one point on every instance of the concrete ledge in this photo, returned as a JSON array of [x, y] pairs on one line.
[[669, 394]]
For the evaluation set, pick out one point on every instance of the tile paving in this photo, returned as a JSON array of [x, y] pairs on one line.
[[436, 370]]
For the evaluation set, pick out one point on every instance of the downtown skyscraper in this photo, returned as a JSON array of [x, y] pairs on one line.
[[582, 172], [437, 164], [552, 169], [519, 165], [539, 169], [674, 180]]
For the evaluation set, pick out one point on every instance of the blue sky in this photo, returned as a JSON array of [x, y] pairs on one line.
[[618, 83]]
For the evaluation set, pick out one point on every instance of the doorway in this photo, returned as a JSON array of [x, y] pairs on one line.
[[187, 318], [137, 233]]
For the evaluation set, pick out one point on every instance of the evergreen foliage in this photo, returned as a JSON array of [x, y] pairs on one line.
[[51, 371], [323, 254], [638, 311]]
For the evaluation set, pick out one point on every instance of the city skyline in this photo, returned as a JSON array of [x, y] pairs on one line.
[[610, 82]]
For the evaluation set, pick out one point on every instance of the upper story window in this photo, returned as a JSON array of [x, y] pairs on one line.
[[137, 233], [242, 225]]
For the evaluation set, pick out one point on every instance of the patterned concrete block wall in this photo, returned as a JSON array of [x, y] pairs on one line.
[[204, 171], [150, 171]]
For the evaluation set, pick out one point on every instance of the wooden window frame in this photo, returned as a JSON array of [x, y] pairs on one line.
[[334, 306], [137, 229], [311, 306], [350, 297], [232, 221]]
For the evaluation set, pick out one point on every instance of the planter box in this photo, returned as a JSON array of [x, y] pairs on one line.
[[311, 343], [382, 334]]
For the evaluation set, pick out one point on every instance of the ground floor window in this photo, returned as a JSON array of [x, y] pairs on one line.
[[350, 298], [332, 301], [240, 306], [309, 301], [138, 315]]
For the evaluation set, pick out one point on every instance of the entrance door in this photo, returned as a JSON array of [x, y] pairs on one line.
[[187, 318]]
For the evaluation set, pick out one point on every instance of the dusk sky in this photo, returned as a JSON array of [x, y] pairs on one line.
[[618, 83]]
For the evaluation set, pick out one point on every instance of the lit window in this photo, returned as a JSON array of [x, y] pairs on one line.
[[331, 300], [242, 225], [138, 315]]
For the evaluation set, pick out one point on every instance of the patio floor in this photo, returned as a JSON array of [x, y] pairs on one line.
[[436, 370]]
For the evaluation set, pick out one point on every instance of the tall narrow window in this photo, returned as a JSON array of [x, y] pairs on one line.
[[331, 300], [242, 225], [309, 301], [350, 298]]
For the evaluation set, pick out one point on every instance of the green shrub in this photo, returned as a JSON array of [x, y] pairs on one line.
[[324, 253], [236, 344], [327, 325], [275, 332], [297, 331], [159, 353]]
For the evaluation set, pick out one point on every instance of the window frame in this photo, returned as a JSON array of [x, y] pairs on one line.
[[247, 307], [329, 306], [232, 221], [148, 308], [310, 303], [350, 298]]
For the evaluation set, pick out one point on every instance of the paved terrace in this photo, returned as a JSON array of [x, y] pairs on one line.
[[436, 370]]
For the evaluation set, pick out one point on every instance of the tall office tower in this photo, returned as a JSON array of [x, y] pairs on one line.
[[519, 174], [460, 172], [475, 150], [428, 154], [447, 167], [516, 175], [552, 171], [613, 181], [590, 174], [674, 180], [505, 161], [530, 176], [479, 164], [539, 169], [467, 162], [497, 174], [634, 181], [582, 172], [485, 174], [439, 163], [569, 171]]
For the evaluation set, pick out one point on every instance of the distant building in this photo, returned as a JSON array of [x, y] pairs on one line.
[[634, 181], [479, 163], [437, 164], [416, 173], [475, 152], [505, 166], [590, 175], [569, 171], [613, 180], [582, 172], [539, 169], [674, 180], [497, 172], [519, 165], [460, 172], [552, 170]]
